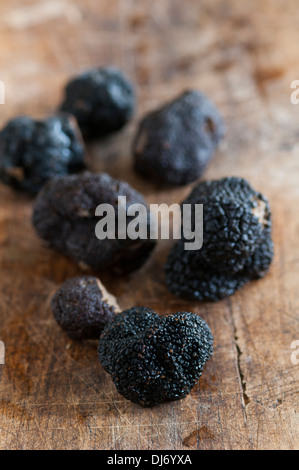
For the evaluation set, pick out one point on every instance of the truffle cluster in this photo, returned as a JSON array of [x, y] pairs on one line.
[[152, 359], [82, 307], [102, 100], [175, 143], [237, 243], [31, 152], [64, 216]]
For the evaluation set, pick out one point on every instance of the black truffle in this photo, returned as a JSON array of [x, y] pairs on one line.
[[152, 359], [31, 152], [237, 244], [175, 143], [102, 100], [64, 216], [82, 307]]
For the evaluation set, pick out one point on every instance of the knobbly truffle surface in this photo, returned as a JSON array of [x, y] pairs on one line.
[[31, 152], [64, 216], [153, 359], [175, 143], [237, 245], [102, 100], [82, 307]]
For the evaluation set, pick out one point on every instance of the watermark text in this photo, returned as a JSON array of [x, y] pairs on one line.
[[2, 92], [136, 222], [295, 93], [2, 353], [295, 354]]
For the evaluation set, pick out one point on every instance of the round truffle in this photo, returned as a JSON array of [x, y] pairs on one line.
[[82, 307], [102, 99], [153, 359], [64, 216], [31, 152], [175, 143], [237, 242]]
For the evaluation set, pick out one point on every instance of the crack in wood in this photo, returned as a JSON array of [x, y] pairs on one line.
[[245, 396]]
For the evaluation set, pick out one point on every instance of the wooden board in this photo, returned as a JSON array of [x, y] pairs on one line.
[[53, 392]]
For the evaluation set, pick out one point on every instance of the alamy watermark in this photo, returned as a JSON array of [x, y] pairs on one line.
[[2, 353], [295, 93], [295, 354], [2, 92], [138, 223]]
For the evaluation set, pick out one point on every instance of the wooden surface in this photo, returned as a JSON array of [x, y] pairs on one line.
[[53, 392]]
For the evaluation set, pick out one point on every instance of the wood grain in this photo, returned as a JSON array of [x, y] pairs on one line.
[[53, 392]]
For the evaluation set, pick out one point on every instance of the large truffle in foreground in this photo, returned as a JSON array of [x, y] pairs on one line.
[[175, 143], [103, 101], [153, 359], [31, 152], [82, 307], [64, 216], [237, 242]]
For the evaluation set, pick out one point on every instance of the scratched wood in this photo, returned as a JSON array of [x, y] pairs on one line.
[[53, 392]]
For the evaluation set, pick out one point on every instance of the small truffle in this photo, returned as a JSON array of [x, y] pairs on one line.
[[153, 359], [82, 307], [237, 245], [31, 152], [64, 216], [102, 99], [175, 143]]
